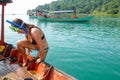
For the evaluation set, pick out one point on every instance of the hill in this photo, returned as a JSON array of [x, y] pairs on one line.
[[94, 7]]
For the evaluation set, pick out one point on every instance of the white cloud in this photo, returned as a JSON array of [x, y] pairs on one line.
[[21, 6]]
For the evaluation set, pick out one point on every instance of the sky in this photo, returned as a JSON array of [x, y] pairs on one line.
[[21, 6]]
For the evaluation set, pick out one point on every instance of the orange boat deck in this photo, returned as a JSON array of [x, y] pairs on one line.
[[14, 70]]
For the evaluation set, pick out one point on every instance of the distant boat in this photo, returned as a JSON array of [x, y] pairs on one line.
[[63, 16], [35, 14], [13, 14], [32, 16], [10, 60], [82, 19]]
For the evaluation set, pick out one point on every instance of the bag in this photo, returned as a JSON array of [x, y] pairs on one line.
[[2, 47], [8, 50]]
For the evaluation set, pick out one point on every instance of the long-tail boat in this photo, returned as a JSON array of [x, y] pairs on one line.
[[61, 16], [11, 60]]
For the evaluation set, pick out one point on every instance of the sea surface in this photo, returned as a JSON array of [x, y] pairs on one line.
[[86, 51]]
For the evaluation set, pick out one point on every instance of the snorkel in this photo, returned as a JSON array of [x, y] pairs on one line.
[[18, 26]]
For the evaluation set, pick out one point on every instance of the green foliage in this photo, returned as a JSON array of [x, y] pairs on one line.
[[84, 6], [112, 11]]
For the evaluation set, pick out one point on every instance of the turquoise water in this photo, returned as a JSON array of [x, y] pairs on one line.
[[87, 51]]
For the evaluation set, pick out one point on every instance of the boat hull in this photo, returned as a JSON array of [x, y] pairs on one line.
[[82, 19]]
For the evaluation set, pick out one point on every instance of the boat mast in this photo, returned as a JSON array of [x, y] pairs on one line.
[[3, 3]]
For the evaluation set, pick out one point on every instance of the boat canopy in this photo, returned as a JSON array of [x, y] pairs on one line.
[[66, 11], [5, 1]]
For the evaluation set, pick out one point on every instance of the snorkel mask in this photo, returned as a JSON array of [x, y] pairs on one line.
[[15, 27]]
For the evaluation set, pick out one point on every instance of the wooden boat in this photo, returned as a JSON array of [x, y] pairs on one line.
[[63, 16], [11, 60], [32, 16], [82, 19]]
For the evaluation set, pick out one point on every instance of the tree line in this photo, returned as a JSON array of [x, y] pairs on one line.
[[82, 6]]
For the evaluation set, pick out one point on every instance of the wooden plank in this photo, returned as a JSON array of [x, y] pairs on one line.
[[14, 72]]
